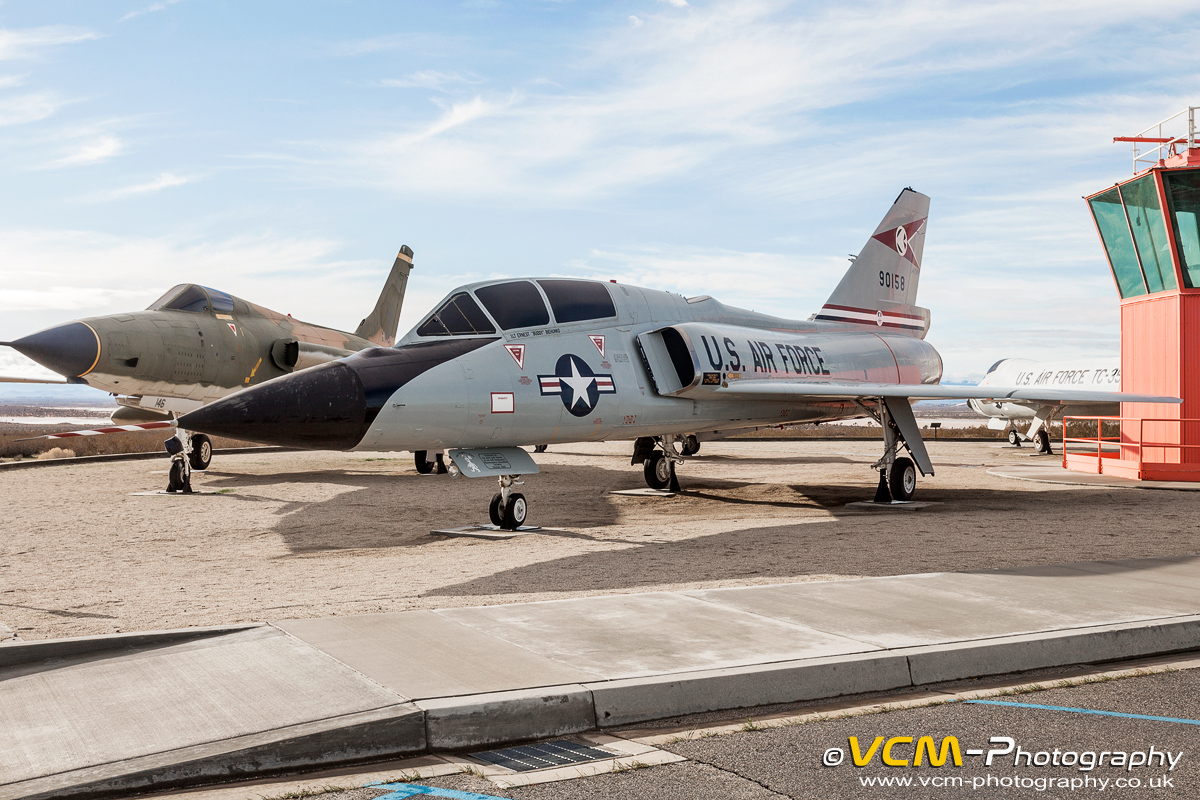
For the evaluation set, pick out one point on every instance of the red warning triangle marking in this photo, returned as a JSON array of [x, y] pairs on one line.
[[517, 351], [599, 342], [232, 327]]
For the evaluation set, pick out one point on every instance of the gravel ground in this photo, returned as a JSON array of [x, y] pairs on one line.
[[322, 534]]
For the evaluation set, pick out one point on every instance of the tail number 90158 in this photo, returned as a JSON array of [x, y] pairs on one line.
[[892, 280]]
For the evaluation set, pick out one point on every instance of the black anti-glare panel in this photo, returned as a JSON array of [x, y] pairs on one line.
[[540, 756]]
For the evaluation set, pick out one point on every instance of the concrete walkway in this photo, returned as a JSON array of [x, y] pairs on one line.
[[83, 717], [1056, 473]]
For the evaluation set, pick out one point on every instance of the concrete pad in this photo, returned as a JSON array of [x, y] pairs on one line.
[[647, 492], [914, 610], [895, 505], [485, 531], [460, 723], [1055, 473], [422, 654], [624, 636], [95, 709]]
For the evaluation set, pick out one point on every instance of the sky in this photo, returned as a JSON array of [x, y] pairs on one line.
[[283, 152]]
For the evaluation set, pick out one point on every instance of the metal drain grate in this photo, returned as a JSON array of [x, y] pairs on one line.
[[546, 754]]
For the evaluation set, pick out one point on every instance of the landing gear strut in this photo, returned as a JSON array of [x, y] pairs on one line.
[[508, 509], [179, 478], [897, 474], [658, 459]]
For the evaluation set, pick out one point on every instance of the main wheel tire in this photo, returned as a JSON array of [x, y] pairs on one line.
[[657, 470], [902, 479], [441, 465], [1014, 438], [175, 481], [691, 445], [515, 512], [424, 467], [1043, 442], [201, 455], [494, 513]]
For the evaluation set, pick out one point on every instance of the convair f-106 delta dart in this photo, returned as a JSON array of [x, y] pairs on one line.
[[532, 361], [194, 345], [1103, 374]]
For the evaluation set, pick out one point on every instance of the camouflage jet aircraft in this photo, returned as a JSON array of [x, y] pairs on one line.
[[533, 361], [194, 345]]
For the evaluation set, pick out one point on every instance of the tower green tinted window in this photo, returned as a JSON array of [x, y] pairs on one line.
[[1114, 231], [1149, 233], [1183, 202]]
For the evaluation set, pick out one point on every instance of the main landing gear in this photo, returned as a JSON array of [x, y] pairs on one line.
[[658, 458], [897, 474], [427, 462], [1042, 442], [508, 509]]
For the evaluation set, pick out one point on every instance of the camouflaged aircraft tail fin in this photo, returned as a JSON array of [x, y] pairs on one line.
[[879, 291], [380, 325]]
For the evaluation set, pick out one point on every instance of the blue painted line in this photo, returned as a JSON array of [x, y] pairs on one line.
[[1086, 711], [404, 790]]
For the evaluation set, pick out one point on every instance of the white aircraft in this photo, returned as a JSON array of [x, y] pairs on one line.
[[529, 361], [1101, 375]]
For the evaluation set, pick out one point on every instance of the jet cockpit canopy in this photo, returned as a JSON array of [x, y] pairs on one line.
[[515, 304], [195, 298]]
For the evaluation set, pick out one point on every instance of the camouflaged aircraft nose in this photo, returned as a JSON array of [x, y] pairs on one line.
[[71, 350], [323, 408]]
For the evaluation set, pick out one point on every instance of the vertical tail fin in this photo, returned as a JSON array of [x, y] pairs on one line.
[[380, 325], [880, 288]]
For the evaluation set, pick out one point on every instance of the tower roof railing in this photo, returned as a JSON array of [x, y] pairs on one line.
[[1164, 144]]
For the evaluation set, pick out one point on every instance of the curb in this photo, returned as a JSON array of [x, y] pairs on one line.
[[383, 733], [16, 653], [492, 719]]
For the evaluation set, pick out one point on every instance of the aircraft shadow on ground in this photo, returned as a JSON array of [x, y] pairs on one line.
[[964, 535], [1101, 567], [384, 510]]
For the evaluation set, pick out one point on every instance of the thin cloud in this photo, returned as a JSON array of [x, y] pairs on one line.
[[164, 181], [150, 9], [28, 108], [12, 81], [93, 152], [428, 79], [23, 43]]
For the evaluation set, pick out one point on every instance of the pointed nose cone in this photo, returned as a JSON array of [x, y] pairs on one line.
[[323, 408], [71, 350]]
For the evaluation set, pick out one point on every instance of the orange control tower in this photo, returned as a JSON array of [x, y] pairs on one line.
[[1150, 228]]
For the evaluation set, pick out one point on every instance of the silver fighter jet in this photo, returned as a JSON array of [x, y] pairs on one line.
[[535, 361]]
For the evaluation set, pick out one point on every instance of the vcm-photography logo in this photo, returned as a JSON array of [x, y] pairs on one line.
[[921, 751]]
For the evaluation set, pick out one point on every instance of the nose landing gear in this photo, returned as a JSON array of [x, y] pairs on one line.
[[508, 509]]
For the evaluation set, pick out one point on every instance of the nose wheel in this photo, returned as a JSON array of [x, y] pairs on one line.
[[508, 509]]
